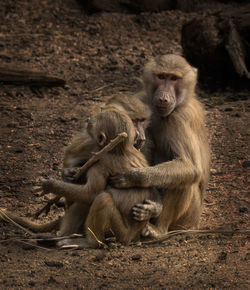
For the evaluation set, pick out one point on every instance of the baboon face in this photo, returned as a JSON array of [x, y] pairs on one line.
[[140, 137], [169, 80], [138, 112], [166, 93]]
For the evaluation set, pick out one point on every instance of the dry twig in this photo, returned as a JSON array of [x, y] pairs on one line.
[[47, 207]]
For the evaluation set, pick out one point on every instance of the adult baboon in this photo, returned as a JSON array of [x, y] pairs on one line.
[[180, 156]]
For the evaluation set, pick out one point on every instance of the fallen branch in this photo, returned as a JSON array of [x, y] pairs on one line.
[[98, 155], [179, 232], [10, 75], [47, 207], [43, 241]]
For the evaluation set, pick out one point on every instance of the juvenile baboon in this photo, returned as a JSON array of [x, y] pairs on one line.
[[82, 146], [79, 151], [110, 209], [180, 156]]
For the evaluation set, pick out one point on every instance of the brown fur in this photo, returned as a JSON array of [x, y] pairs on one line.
[[110, 209], [79, 151], [180, 153]]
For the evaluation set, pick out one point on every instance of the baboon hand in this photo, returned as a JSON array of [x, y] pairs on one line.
[[145, 211], [68, 174], [42, 187], [47, 185]]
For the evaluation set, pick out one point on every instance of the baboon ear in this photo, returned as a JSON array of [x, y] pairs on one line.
[[101, 139]]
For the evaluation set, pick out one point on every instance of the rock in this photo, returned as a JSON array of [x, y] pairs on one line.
[[136, 257]]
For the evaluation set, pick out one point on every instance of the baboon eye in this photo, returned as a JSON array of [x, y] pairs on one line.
[[161, 76], [173, 78]]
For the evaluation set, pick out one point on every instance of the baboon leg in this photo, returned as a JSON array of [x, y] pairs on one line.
[[74, 219], [190, 219], [175, 216], [105, 217]]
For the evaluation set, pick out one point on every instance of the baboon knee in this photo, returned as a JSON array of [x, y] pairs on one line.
[[103, 199]]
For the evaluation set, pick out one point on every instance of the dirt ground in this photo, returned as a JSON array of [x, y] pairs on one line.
[[98, 56]]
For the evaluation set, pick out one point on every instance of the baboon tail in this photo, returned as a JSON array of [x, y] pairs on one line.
[[26, 223]]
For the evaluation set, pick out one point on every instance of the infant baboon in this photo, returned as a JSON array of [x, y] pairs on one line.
[[110, 209], [82, 146]]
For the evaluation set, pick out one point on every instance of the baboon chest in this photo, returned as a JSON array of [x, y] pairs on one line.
[[161, 151]]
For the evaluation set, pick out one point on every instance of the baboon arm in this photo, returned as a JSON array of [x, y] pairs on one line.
[[180, 171], [163, 175], [96, 182]]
